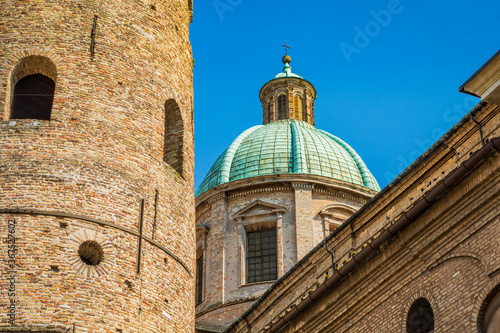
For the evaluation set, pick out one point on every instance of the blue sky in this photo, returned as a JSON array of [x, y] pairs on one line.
[[387, 72]]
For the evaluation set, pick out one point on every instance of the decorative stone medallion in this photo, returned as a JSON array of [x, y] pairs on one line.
[[91, 253]]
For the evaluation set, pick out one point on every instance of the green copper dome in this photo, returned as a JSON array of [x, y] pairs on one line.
[[288, 146]]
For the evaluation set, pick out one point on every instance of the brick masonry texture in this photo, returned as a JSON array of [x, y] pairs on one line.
[[98, 156], [449, 255], [297, 206]]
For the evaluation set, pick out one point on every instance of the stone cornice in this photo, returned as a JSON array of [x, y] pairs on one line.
[[340, 195], [260, 190], [217, 198], [303, 185], [485, 83], [268, 181]]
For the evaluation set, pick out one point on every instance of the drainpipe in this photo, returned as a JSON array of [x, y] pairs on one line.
[[405, 220], [331, 256], [478, 126]]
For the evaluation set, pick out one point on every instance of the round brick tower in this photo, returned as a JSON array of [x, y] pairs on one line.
[[96, 166]]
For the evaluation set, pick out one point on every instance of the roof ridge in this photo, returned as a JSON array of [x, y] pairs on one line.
[[368, 179], [229, 157], [299, 153]]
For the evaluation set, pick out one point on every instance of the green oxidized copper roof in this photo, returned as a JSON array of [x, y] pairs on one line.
[[288, 146], [287, 72]]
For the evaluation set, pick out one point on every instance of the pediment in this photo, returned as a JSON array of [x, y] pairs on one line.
[[201, 232], [257, 208], [339, 211]]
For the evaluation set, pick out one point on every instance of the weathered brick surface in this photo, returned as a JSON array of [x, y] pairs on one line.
[[448, 255], [293, 206], [101, 152]]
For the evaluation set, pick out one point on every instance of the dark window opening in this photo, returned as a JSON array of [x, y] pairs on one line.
[[91, 253], [261, 256], [174, 137], [32, 98], [298, 107], [199, 280], [282, 109], [269, 112], [489, 313], [420, 317]]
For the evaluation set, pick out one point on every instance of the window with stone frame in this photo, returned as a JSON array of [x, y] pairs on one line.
[[261, 256], [282, 107], [199, 280]]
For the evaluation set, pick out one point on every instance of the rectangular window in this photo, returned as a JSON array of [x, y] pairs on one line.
[[261, 256], [282, 108], [199, 280]]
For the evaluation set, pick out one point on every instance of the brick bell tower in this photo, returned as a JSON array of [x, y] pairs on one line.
[[96, 166]]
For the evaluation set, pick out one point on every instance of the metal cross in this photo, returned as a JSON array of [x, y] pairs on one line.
[[286, 48]]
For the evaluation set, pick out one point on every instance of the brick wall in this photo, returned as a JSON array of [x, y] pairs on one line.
[[291, 206], [448, 255], [98, 156]]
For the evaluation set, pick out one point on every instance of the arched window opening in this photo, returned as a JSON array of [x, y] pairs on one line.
[[298, 107], [282, 109], [420, 317], [174, 137], [31, 88], [489, 319], [32, 98]]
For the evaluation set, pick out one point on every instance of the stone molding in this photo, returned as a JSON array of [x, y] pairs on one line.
[[260, 190], [269, 180], [324, 211], [340, 195], [217, 198], [303, 186], [272, 208]]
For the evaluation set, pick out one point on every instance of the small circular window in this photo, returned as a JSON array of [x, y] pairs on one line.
[[91, 252]]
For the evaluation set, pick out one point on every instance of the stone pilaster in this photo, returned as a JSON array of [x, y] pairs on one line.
[[303, 218], [215, 291]]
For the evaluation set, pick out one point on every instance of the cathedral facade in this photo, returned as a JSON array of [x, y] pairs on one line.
[[96, 167], [422, 256], [278, 190]]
